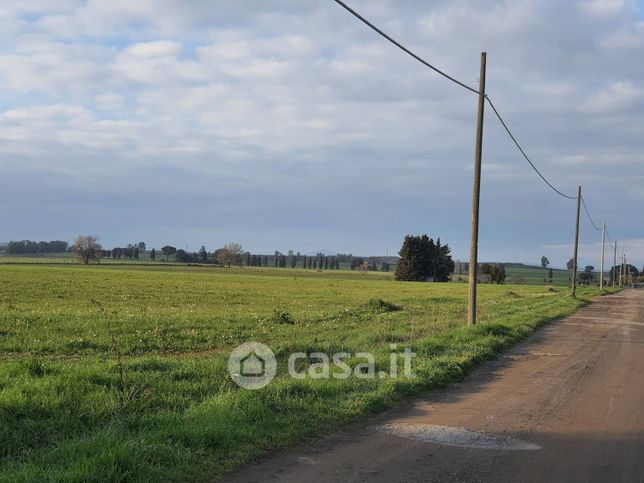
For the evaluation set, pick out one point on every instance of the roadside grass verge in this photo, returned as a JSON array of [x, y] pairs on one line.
[[134, 385]]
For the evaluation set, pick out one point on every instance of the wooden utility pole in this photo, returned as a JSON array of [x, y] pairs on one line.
[[601, 273], [574, 258], [476, 196], [615, 263]]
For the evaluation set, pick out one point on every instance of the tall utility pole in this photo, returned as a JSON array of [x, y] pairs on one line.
[[476, 196], [601, 273], [614, 263], [574, 258]]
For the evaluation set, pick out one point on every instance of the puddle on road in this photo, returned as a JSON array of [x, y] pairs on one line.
[[460, 437]]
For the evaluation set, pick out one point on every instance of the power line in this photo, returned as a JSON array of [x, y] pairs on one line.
[[471, 89], [583, 201], [403, 48], [447, 76], [523, 152]]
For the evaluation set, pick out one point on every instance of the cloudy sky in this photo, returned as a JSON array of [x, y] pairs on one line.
[[286, 124]]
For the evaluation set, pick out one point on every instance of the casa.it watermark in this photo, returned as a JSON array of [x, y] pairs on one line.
[[253, 365]]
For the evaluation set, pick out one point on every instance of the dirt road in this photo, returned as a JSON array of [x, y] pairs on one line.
[[566, 405]]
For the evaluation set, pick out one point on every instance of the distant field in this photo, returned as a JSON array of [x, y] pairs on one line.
[[517, 275], [538, 276], [119, 373]]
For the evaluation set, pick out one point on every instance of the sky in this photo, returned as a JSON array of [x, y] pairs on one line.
[[286, 124]]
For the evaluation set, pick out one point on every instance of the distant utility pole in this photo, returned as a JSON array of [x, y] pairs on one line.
[[614, 263], [574, 258], [601, 273], [476, 196]]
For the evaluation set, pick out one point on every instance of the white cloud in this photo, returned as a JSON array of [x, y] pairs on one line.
[[617, 97], [312, 113], [601, 8], [159, 48]]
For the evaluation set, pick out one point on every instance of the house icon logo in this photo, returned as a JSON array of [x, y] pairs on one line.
[[252, 365]]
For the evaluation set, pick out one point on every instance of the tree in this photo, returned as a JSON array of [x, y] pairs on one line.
[[203, 255], [141, 246], [500, 275], [587, 277], [570, 263], [634, 272], [86, 248], [495, 273], [421, 258], [544, 262], [168, 250], [153, 254], [443, 264], [181, 256], [231, 253]]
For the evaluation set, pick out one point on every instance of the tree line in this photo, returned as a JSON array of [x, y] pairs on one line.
[[30, 247]]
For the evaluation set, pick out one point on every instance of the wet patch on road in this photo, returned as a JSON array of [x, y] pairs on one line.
[[459, 437]]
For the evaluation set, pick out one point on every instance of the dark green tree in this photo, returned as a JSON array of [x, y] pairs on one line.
[[421, 258], [544, 262], [412, 264]]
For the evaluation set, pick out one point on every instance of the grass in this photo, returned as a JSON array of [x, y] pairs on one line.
[[539, 276], [119, 373]]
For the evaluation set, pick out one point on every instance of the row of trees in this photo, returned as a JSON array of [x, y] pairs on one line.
[[29, 247], [88, 249], [131, 251], [233, 254]]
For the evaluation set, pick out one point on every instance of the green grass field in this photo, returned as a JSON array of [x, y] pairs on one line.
[[515, 274], [538, 276], [119, 373]]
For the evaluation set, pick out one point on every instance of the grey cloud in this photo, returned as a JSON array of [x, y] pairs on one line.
[[290, 116]]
